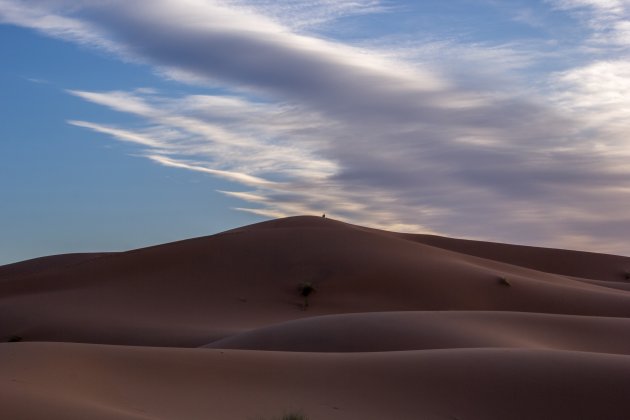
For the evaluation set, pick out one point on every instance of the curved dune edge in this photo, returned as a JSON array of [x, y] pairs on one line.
[[588, 265], [64, 381], [398, 331], [38, 265]]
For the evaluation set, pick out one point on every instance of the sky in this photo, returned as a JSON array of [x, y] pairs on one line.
[[126, 124]]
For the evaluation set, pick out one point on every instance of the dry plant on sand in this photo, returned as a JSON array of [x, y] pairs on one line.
[[504, 281], [294, 416], [291, 416], [305, 289]]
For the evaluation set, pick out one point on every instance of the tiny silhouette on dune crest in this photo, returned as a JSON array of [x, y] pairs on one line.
[[319, 319]]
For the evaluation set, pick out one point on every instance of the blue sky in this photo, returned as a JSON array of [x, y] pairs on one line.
[[125, 124]]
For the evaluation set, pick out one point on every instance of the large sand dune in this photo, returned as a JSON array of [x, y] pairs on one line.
[[401, 327]]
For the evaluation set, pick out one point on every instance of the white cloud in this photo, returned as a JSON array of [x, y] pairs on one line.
[[302, 14], [614, 7], [607, 19], [228, 132], [600, 92], [123, 135], [241, 178]]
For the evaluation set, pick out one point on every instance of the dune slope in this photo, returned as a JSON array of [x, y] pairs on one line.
[[191, 292]]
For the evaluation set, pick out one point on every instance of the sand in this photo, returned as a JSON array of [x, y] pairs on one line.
[[401, 327]]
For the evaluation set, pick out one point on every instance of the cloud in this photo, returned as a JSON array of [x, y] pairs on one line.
[[301, 14], [600, 92], [400, 141], [226, 131], [607, 19], [229, 175], [122, 135]]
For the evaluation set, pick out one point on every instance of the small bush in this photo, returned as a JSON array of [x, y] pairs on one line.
[[505, 282], [305, 289], [294, 415], [14, 339]]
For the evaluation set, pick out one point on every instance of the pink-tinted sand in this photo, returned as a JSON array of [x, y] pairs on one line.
[[401, 327]]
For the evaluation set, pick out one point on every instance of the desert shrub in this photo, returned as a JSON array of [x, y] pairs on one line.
[[306, 289], [14, 339], [504, 281], [293, 415]]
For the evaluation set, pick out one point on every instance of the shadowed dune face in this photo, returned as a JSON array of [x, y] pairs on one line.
[[399, 327]]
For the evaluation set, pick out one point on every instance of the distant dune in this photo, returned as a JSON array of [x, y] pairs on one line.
[[400, 326]]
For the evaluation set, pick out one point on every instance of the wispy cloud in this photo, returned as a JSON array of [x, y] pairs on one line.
[[393, 140], [607, 19], [304, 14], [226, 131], [241, 178]]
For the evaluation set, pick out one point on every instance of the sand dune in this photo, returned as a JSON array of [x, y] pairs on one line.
[[190, 292], [401, 327]]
